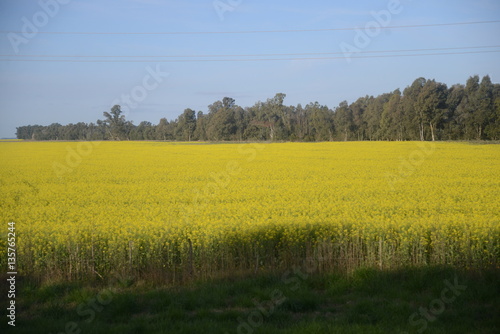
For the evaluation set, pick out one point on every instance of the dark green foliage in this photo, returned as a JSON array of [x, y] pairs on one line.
[[366, 301], [426, 110]]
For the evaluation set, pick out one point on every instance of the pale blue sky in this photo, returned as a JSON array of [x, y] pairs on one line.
[[64, 92]]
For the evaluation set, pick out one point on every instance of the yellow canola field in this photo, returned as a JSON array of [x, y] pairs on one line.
[[173, 210]]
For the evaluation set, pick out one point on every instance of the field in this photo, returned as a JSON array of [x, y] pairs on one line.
[[174, 213], [169, 211]]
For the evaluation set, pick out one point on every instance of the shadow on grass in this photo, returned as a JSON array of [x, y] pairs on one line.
[[367, 301]]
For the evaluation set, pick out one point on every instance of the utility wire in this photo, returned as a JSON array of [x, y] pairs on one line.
[[247, 31], [246, 60], [252, 55]]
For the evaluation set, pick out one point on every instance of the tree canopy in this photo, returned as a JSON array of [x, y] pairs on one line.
[[425, 110]]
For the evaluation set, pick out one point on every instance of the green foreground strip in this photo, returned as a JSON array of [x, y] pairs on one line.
[[425, 300]]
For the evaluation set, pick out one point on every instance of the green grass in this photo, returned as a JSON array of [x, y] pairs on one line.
[[368, 301]]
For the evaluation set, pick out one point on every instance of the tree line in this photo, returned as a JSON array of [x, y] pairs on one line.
[[425, 110]]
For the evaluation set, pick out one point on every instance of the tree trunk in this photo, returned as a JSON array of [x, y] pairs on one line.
[[432, 131]]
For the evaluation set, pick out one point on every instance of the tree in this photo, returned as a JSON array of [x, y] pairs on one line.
[[116, 122], [391, 122], [301, 121], [257, 128], [187, 124], [221, 123], [413, 116], [144, 131], [454, 98], [431, 106], [101, 129], [375, 109], [272, 116], [161, 130], [485, 111], [358, 109], [427, 110], [372, 118], [240, 122], [54, 131], [493, 127], [200, 131], [321, 120], [343, 120], [469, 105]]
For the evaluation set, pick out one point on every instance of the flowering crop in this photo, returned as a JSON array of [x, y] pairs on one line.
[[173, 210]]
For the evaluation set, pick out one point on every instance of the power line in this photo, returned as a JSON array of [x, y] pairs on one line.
[[248, 31], [245, 60], [251, 55]]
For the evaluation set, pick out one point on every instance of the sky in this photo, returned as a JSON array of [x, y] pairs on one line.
[[68, 61]]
